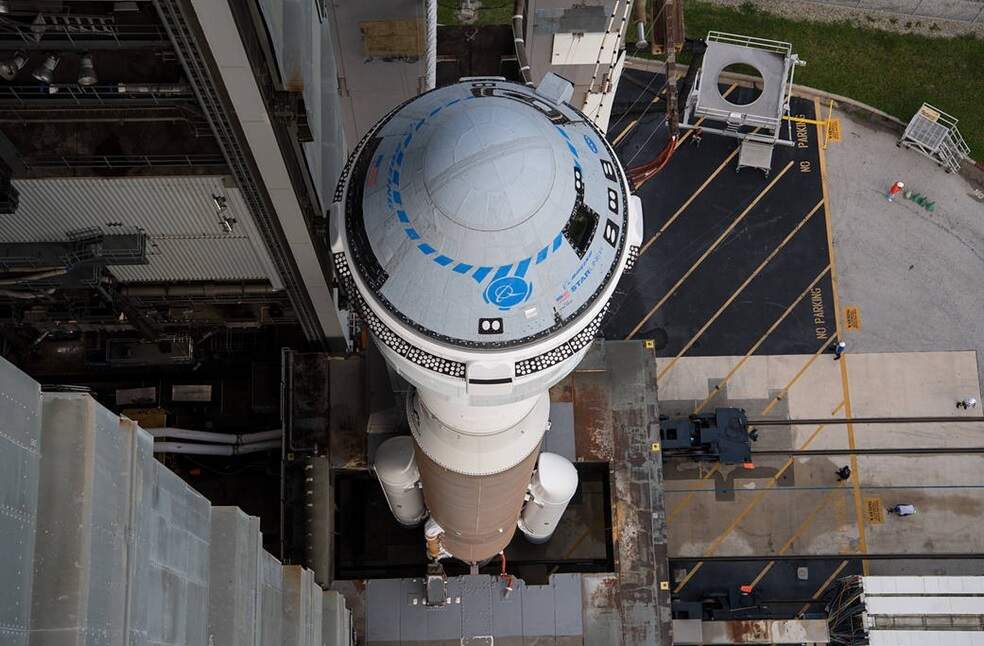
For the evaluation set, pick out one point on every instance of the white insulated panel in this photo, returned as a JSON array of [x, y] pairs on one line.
[[923, 585], [580, 48], [924, 605], [20, 456], [271, 602], [234, 570], [80, 588], [179, 558], [301, 607], [336, 627], [926, 638]]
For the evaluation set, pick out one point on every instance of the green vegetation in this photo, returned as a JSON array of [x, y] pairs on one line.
[[892, 72], [490, 12]]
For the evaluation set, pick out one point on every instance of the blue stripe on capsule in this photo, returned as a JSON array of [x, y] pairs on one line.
[[462, 268], [412, 233], [443, 260], [426, 248], [523, 265], [559, 239], [397, 198], [563, 132], [571, 147], [403, 216], [481, 273], [542, 255], [502, 272]]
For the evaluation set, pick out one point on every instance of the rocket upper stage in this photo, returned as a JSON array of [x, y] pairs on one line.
[[485, 215]]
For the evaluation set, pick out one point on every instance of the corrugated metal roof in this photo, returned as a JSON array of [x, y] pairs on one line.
[[192, 259], [187, 240]]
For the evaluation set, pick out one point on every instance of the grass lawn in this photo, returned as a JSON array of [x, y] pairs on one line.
[[491, 12], [893, 72]]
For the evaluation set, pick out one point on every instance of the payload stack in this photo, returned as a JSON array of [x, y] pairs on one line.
[[480, 230]]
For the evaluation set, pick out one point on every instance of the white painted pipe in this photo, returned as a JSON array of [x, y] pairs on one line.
[[215, 438], [215, 449], [551, 489], [396, 468], [641, 42], [188, 434], [260, 436], [430, 59]]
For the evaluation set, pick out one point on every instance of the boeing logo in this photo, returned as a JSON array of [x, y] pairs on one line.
[[507, 292]]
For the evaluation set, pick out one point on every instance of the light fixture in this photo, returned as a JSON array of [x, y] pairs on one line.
[[87, 71], [45, 71], [4, 6], [10, 67], [38, 27], [227, 223], [220, 201]]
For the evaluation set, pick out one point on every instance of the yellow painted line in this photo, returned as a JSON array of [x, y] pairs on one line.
[[796, 534], [687, 578], [712, 548], [700, 189], [761, 574], [855, 480], [717, 388], [737, 292], [710, 249], [845, 384], [785, 389], [632, 125], [717, 467], [629, 127], [823, 587]]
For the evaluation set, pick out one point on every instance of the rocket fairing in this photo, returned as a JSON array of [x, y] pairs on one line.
[[480, 230]]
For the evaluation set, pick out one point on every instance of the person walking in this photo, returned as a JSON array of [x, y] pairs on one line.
[[903, 510], [967, 404], [894, 189], [839, 349], [843, 473]]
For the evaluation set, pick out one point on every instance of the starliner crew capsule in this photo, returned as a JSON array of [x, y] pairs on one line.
[[480, 230]]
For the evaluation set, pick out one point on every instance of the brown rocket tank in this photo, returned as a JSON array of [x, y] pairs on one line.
[[478, 513]]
